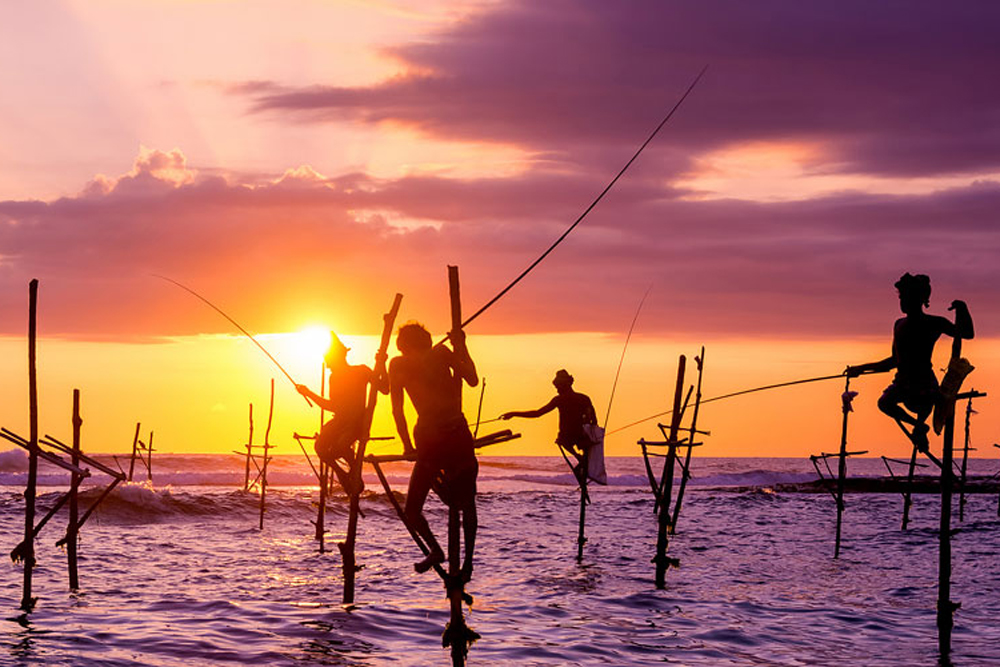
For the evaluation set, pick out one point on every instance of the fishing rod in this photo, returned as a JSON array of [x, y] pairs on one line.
[[237, 325], [737, 393], [592, 205], [621, 360]]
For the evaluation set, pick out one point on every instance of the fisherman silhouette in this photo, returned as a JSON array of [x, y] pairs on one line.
[[445, 453], [914, 391], [347, 395], [576, 411]]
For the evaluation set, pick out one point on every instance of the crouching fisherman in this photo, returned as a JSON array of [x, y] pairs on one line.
[[914, 392], [445, 453], [348, 388]]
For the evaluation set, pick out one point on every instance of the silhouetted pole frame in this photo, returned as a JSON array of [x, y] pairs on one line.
[[28, 602], [663, 508], [249, 448], [686, 472], [969, 395], [135, 449], [347, 547], [267, 446], [74, 509], [583, 478], [842, 463]]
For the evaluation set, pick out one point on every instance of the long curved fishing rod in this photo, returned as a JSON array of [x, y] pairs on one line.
[[621, 360], [592, 205], [735, 393], [235, 324]]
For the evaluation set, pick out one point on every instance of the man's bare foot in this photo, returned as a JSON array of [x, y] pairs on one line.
[[433, 558], [919, 436]]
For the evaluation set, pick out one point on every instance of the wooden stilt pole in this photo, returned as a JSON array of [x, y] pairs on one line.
[[907, 500], [74, 509], [842, 463], [323, 472], [149, 459], [457, 635], [28, 602], [347, 547], [583, 467], [945, 606], [267, 446], [135, 448], [685, 475], [249, 447], [666, 481], [966, 449]]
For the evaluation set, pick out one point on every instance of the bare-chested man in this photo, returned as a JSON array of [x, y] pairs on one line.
[[348, 387], [432, 377], [915, 387]]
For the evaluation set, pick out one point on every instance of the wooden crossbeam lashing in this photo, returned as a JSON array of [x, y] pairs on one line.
[[52, 451], [673, 444]]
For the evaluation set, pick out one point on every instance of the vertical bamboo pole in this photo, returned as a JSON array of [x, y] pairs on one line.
[[965, 455], [149, 459], [267, 446], [323, 471], [249, 447], [842, 464], [135, 448], [456, 586], [27, 602], [346, 547], [907, 500], [71, 534], [583, 479], [663, 517], [700, 361], [945, 607]]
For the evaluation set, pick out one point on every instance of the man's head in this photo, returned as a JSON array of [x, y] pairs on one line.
[[914, 292], [563, 381], [336, 354], [413, 337]]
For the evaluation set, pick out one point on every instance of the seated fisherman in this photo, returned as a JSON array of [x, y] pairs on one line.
[[348, 389], [913, 393], [575, 411], [445, 454]]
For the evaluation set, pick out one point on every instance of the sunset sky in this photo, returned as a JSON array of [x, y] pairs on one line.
[[300, 163]]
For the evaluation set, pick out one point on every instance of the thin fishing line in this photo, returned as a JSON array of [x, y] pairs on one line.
[[621, 360], [592, 205], [735, 393], [235, 324]]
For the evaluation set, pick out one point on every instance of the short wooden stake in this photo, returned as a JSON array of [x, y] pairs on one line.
[[249, 448], [267, 446], [135, 450]]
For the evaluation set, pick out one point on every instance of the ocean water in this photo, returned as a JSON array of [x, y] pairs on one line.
[[176, 572]]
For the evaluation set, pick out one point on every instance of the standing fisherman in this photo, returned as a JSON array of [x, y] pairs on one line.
[[914, 391], [445, 453], [348, 387], [576, 415]]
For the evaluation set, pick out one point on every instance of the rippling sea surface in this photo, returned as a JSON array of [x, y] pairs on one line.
[[177, 573]]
